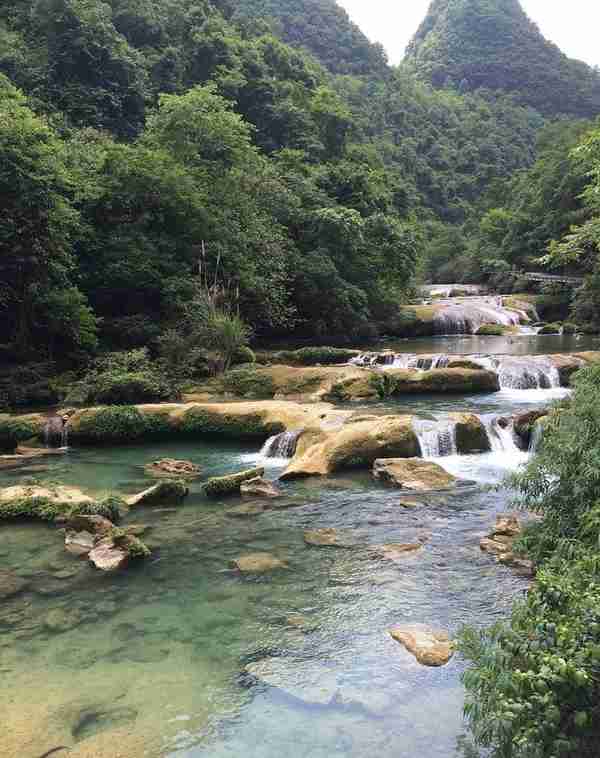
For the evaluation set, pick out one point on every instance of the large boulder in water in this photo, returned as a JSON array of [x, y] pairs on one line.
[[441, 380], [412, 474], [431, 647], [356, 445], [471, 434]]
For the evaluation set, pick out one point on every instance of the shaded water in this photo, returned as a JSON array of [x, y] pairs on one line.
[[151, 662]]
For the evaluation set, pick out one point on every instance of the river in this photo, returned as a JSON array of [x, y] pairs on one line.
[[152, 662]]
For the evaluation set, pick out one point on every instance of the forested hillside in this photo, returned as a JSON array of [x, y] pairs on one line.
[[153, 146], [468, 44]]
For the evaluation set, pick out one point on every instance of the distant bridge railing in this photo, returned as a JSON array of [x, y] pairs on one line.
[[536, 277]]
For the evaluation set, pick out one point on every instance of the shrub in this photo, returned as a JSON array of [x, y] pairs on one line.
[[247, 382], [120, 424], [129, 388], [242, 356], [534, 688], [15, 430]]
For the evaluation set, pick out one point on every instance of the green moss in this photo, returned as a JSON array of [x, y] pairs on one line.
[[550, 329], [166, 491], [248, 382], [491, 330], [243, 355], [229, 485], [120, 424], [569, 328], [200, 422], [316, 356], [133, 546], [44, 509], [14, 430]]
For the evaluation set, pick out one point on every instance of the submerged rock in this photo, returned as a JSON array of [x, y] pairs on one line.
[[162, 493], [61, 620], [500, 544], [327, 538], [79, 543], [412, 474], [257, 563], [431, 647], [230, 485], [259, 487], [10, 584], [115, 550], [169, 467], [396, 551]]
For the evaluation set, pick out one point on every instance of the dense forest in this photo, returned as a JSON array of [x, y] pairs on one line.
[[469, 44], [155, 146]]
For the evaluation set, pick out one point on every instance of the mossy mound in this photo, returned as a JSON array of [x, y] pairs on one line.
[[117, 425], [310, 356], [17, 429], [494, 330], [52, 503], [550, 329], [443, 380], [223, 486], [167, 491], [201, 421]]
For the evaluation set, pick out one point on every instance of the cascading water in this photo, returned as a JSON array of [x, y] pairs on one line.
[[501, 434], [56, 432], [524, 373], [420, 362], [537, 434], [437, 439], [466, 316], [281, 445]]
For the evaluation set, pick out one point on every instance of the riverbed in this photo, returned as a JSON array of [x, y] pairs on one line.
[[153, 662]]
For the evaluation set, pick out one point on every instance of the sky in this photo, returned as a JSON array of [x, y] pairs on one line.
[[572, 25]]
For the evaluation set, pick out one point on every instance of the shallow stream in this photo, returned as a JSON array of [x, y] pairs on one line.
[[151, 662]]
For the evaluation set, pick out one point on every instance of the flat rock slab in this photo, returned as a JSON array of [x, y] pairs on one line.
[[10, 584], [257, 563], [412, 474], [107, 557], [79, 543], [164, 492], [172, 468], [259, 487], [327, 538], [431, 647], [397, 551]]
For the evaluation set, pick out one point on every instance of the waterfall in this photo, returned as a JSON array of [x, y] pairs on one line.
[[420, 362], [500, 433], [537, 434], [525, 373], [281, 445], [437, 439], [465, 317], [56, 432]]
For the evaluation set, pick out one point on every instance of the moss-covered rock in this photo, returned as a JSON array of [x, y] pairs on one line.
[[471, 435], [117, 425], [223, 486], [356, 445], [17, 429], [524, 424], [311, 356], [54, 503], [166, 492], [494, 330], [549, 329], [443, 380]]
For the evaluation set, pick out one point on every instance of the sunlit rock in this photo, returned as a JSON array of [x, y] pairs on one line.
[[412, 474], [431, 647]]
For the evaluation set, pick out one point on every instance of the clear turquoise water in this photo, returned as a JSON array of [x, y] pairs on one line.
[[156, 661], [152, 662]]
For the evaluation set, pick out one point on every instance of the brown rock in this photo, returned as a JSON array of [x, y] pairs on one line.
[[106, 556], [496, 546], [10, 584], [430, 647], [413, 474], [79, 543], [398, 551], [507, 525], [171, 468], [520, 566], [257, 563], [259, 487], [97, 525], [326, 538]]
